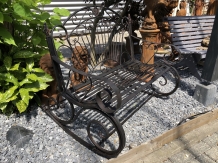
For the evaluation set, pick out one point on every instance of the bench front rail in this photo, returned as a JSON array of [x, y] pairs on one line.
[[103, 85]]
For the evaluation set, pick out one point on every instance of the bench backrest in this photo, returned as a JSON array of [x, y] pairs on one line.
[[188, 31], [96, 41]]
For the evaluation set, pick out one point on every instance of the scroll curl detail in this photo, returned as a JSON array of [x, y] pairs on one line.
[[103, 102]]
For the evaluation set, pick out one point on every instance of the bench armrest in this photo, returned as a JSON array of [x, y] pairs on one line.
[[104, 106]]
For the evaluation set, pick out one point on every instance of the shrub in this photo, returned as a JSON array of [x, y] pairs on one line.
[[22, 43]]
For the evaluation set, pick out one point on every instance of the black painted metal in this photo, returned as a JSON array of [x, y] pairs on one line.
[[210, 72], [93, 111]]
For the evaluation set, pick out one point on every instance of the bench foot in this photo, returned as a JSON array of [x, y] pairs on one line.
[[100, 132], [189, 62]]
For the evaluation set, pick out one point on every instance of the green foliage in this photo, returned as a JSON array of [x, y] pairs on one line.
[[22, 43]]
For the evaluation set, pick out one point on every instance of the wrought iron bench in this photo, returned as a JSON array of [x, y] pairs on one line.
[[95, 98], [187, 33]]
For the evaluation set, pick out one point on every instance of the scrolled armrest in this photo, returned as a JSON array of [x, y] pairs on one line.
[[114, 88]]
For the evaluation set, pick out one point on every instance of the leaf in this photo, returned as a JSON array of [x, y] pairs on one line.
[[44, 2], [43, 86], [2, 76], [7, 62], [2, 69], [61, 11], [36, 40], [21, 106], [9, 109], [25, 81], [7, 18], [10, 78], [37, 70], [35, 86], [1, 17], [13, 97], [24, 54], [57, 44], [4, 1], [29, 64], [8, 94], [43, 16], [29, 3], [22, 70], [3, 106], [19, 10], [32, 77], [21, 27], [19, 74], [6, 36], [24, 95], [55, 20], [43, 52], [45, 78], [23, 11], [15, 67], [60, 55], [31, 95]]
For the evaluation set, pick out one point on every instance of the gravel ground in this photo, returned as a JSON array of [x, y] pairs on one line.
[[49, 143]]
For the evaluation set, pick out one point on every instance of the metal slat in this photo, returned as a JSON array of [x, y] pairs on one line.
[[191, 33], [198, 41], [181, 46], [191, 25], [180, 21], [191, 29], [189, 17], [188, 50], [186, 38]]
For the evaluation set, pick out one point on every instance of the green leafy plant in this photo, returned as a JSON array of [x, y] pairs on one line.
[[22, 43]]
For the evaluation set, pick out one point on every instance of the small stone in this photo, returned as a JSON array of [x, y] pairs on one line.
[[132, 145], [28, 150], [40, 147]]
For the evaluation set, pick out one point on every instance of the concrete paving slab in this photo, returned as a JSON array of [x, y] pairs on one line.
[[213, 153], [199, 148], [183, 156], [211, 140], [205, 159]]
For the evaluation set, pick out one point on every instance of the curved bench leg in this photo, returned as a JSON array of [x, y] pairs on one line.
[[102, 133]]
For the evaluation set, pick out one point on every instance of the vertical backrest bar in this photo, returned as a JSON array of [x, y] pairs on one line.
[[53, 52]]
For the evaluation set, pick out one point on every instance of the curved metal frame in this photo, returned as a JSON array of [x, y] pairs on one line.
[[106, 93]]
